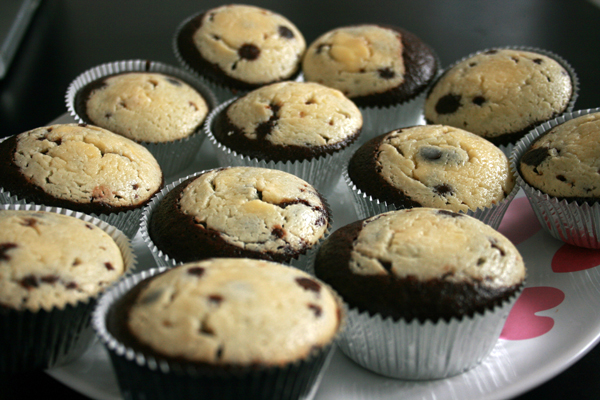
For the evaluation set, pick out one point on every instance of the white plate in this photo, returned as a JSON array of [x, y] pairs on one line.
[[568, 302]]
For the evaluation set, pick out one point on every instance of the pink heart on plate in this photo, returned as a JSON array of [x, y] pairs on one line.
[[519, 222], [572, 259], [522, 323]]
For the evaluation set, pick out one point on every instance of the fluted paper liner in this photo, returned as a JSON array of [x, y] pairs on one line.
[[573, 223], [33, 340], [172, 156]]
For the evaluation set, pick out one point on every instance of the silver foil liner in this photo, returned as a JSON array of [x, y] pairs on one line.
[[368, 206], [302, 261], [573, 223], [145, 377], [172, 156], [323, 172], [31, 340], [508, 148], [422, 350]]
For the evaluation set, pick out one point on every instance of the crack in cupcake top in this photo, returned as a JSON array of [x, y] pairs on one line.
[[296, 114], [425, 244], [145, 107], [236, 312], [257, 209], [249, 43], [86, 164], [49, 260], [500, 92]]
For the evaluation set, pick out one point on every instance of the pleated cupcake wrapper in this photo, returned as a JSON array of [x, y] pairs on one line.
[[368, 206], [507, 149], [573, 223], [31, 340], [323, 172], [302, 262], [145, 377], [172, 156], [422, 350]]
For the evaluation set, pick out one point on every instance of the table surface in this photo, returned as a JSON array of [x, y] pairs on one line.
[[67, 37]]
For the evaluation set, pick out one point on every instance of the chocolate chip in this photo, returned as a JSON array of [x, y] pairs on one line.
[[493, 51], [57, 141], [481, 261], [82, 125], [472, 64], [153, 82], [515, 59], [443, 189], [89, 226], [535, 157], [215, 298], [278, 232], [196, 271], [109, 266], [107, 115], [538, 61], [76, 262], [450, 213], [386, 73], [308, 284], [29, 282], [478, 100], [71, 285], [249, 52], [4, 247], [193, 105], [431, 153], [285, 32], [29, 222], [173, 81], [387, 265], [49, 130], [316, 309], [49, 279], [494, 244], [286, 203], [561, 178], [135, 186], [448, 104]]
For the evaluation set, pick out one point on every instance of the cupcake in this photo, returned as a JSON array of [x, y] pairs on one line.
[[53, 265], [156, 105], [502, 93], [82, 168], [428, 290], [303, 128], [236, 212], [431, 166], [557, 165], [386, 71], [237, 48], [219, 329]]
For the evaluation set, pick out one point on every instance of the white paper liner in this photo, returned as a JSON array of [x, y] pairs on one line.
[[569, 222], [368, 206], [146, 377], [302, 262], [422, 351], [48, 338], [323, 172], [171, 156], [508, 148]]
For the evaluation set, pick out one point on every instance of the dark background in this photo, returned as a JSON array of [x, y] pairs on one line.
[[69, 36]]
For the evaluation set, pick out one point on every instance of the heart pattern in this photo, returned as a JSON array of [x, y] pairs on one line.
[[572, 259], [519, 222]]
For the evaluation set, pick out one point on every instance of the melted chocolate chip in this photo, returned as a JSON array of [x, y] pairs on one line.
[[386, 73], [265, 128], [4, 247], [109, 266], [561, 178], [481, 261], [135, 186], [478, 100], [286, 203], [443, 189], [448, 104], [173, 81], [285, 32], [49, 279], [430, 153], [89, 226], [450, 213], [249, 52], [29, 222], [278, 232], [493, 51], [316, 309], [76, 262], [538, 61], [71, 285], [472, 64], [215, 299], [29, 282], [196, 271], [308, 284], [535, 157]]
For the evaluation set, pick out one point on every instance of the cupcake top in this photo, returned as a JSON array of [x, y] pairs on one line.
[[289, 121], [79, 165], [371, 63], [49, 260], [564, 161], [143, 106], [420, 263], [233, 312], [242, 45], [432, 166], [239, 211], [500, 94]]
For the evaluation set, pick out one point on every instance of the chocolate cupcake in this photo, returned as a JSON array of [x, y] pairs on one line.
[[82, 168], [220, 328], [502, 93], [428, 290], [303, 128], [53, 264], [431, 166], [386, 71], [236, 212], [158, 106], [557, 165], [237, 48]]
